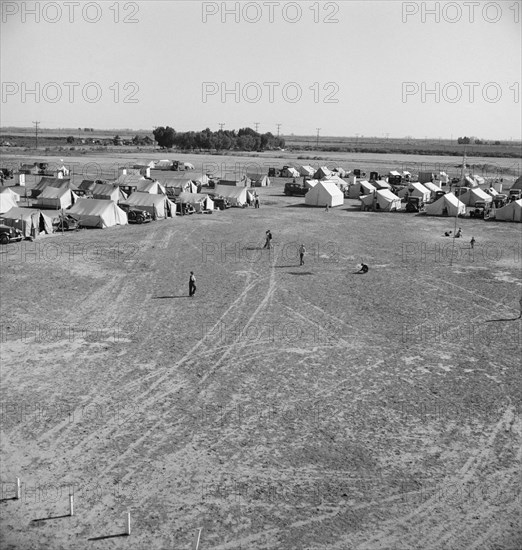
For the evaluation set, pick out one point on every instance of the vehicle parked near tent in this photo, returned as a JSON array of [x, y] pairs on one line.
[[9, 234], [295, 190], [65, 222], [135, 215]]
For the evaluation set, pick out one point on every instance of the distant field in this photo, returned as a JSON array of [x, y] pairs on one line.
[[284, 407], [91, 163], [24, 137]]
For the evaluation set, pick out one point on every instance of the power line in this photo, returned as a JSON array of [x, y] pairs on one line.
[[317, 141], [278, 126], [256, 125], [36, 131], [221, 124]]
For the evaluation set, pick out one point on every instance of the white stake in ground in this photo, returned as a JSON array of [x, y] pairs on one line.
[[17, 489], [127, 526], [197, 536], [71, 505]]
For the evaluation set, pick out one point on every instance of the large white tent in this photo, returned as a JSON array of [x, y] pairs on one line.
[[147, 186], [7, 201], [360, 188], [105, 191], [199, 201], [158, 206], [415, 189], [237, 196], [324, 193], [511, 212], [98, 213], [52, 197], [469, 198], [448, 205], [381, 199], [30, 222]]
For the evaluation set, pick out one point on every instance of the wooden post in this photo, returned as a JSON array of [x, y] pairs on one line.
[[71, 505], [128, 526], [17, 489], [197, 537]]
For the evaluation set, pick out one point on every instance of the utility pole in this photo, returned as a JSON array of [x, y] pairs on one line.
[[278, 126], [256, 124], [317, 140], [221, 124], [36, 131]]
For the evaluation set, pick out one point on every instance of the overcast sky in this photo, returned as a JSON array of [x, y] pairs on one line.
[[347, 68]]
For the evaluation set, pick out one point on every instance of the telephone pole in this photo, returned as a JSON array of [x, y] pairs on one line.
[[36, 131], [317, 141], [256, 124], [278, 126], [221, 124]]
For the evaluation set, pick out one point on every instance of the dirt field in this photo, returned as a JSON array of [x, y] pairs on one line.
[[285, 406]]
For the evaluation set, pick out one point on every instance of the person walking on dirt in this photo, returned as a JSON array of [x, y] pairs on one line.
[[268, 239], [472, 242], [192, 284], [302, 251], [256, 201], [326, 209]]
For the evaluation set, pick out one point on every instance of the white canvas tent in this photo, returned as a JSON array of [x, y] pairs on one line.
[[324, 193], [107, 192], [289, 172], [511, 212], [30, 222], [415, 189], [432, 187], [306, 171], [158, 206], [199, 201], [360, 188], [322, 172], [8, 191], [174, 187], [237, 196], [448, 205], [7, 201], [382, 200], [98, 213], [154, 187], [469, 198], [59, 199]]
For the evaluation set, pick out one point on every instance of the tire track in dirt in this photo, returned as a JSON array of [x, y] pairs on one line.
[[424, 513], [191, 395]]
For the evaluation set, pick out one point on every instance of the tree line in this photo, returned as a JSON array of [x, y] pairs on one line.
[[245, 139]]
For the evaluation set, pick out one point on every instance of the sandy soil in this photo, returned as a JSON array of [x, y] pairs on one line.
[[283, 407]]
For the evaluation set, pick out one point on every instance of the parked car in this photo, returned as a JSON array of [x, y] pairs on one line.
[[135, 215], [295, 189], [9, 234], [221, 203], [479, 210], [67, 222], [414, 204], [515, 194]]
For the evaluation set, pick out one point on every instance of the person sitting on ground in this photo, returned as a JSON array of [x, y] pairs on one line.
[[447, 234], [458, 234], [364, 268]]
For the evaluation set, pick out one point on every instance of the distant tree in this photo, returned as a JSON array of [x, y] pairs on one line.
[[165, 137], [70, 139], [117, 140], [464, 140]]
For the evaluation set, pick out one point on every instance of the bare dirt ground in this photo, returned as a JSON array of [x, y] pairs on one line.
[[285, 406]]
